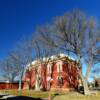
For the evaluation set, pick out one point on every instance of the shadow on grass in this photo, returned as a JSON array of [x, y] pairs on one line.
[[23, 98], [56, 94]]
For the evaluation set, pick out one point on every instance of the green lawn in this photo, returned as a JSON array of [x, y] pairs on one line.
[[56, 95]]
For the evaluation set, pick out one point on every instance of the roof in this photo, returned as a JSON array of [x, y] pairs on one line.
[[53, 57]]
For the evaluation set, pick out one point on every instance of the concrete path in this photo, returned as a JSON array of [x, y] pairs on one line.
[[8, 96], [12, 97], [1, 95]]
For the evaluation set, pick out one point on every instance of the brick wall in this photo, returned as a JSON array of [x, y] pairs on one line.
[[4, 85]]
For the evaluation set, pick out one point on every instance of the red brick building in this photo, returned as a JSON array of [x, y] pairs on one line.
[[9, 85], [59, 72]]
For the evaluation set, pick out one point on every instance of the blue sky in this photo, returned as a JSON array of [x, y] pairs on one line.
[[19, 18]]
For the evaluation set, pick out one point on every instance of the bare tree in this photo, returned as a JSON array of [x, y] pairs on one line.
[[22, 55], [96, 72], [43, 56], [9, 69], [77, 34]]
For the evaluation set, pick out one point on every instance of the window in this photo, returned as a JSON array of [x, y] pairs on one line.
[[59, 66], [60, 81], [49, 68]]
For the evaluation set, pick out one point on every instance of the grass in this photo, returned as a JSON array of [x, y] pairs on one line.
[[77, 96], [30, 93], [56, 95]]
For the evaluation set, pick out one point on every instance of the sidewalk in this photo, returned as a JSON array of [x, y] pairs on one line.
[[12, 97]]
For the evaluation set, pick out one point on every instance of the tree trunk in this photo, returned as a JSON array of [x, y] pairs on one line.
[[84, 79], [20, 80], [85, 85], [37, 87]]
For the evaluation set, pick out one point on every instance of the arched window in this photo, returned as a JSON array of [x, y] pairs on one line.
[[60, 81], [49, 68], [59, 66]]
